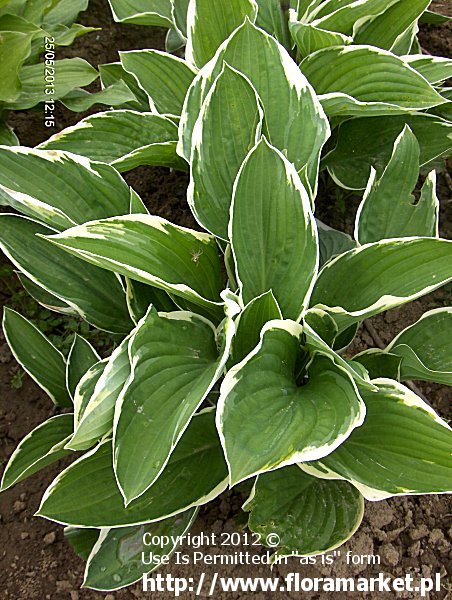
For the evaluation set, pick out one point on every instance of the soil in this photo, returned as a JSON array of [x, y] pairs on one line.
[[409, 534]]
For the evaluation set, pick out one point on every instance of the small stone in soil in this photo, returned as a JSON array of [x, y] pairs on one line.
[[389, 555], [50, 538], [419, 532], [24, 535], [19, 506]]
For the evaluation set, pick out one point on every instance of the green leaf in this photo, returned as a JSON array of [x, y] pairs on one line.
[[41, 447], [113, 73], [15, 47], [249, 324], [151, 250], [140, 296], [388, 208], [7, 135], [180, 10], [434, 68], [274, 237], [165, 78], [379, 363], [433, 18], [323, 325], [44, 297], [315, 343], [82, 357], [195, 474], [65, 36], [231, 113], [310, 515], [97, 418], [266, 421], [374, 80], [69, 73], [309, 38], [118, 94], [85, 390], [367, 142], [113, 136], [116, 559], [208, 25], [175, 364], [64, 11], [142, 12], [332, 242], [272, 17], [58, 188], [342, 16], [37, 355], [425, 347], [292, 114], [81, 540], [384, 29], [97, 296], [376, 277], [402, 448]]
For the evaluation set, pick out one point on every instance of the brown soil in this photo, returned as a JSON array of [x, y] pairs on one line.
[[410, 534]]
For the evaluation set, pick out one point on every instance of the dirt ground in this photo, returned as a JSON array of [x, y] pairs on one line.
[[409, 534]]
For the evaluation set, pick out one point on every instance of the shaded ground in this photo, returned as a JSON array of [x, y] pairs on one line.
[[410, 534]]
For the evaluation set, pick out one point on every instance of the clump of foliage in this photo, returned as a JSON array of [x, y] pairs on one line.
[[31, 34], [314, 432]]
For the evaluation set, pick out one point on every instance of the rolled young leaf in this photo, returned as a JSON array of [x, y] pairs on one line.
[[43, 446], [37, 355], [388, 208], [195, 474], [117, 559], [85, 389], [94, 293], [273, 238], [112, 136], [266, 421], [82, 357], [228, 126], [175, 363], [208, 25], [291, 114], [163, 77], [97, 418], [151, 250], [425, 347], [249, 324], [402, 448], [380, 276], [310, 515]]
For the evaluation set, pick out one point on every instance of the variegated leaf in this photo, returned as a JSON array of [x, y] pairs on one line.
[[402, 448], [195, 474], [267, 420]]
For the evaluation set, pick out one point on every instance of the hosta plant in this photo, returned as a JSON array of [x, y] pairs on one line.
[[232, 363], [345, 50]]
